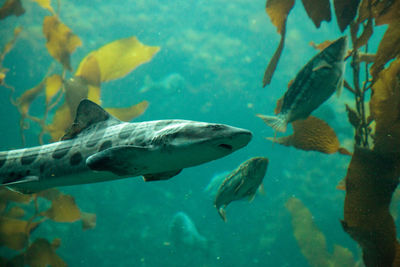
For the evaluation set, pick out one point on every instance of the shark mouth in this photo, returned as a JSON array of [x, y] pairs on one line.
[[226, 146]]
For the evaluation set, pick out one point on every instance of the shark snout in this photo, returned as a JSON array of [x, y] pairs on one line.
[[235, 139]]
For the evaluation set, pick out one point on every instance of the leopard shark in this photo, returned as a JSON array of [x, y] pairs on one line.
[[98, 147]]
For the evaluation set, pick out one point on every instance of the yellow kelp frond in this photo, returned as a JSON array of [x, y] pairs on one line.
[[89, 70], [14, 233], [7, 48], [61, 41], [277, 10], [63, 209], [11, 7], [53, 86], [25, 100], [118, 58], [129, 113], [15, 212], [312, 241], [46, 4], [62, 120], [385, 109], [42, 253], [312, 134]]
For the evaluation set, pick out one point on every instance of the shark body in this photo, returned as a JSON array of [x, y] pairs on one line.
[[99, 147]]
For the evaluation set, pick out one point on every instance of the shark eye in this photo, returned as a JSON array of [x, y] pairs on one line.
[[215, 126]]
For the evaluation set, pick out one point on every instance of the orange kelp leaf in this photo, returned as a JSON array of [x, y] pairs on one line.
[[88, 220], [15, 212], [11, 7], [385, 109], [277, 10], [311, 134], [63, 209], [53, 86], [322, 45], [128, 114], [14, 233], [388, 48], [9, 195], [26, 99], [318, 10], [370, 181], [341, 184], [120, 57], [46, 4], [312, 241], [49, 194], [41, 254], [61, 41], [62, 120], [345, 11]]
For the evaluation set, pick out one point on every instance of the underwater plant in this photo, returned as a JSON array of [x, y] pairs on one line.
[[112, 61], [374, 170], [21, 214]]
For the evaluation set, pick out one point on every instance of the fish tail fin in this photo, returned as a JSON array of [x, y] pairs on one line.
[[278, 123], [146, 84], [222, 213]]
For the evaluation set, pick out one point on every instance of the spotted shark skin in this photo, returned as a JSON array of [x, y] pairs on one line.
[[100, 148]]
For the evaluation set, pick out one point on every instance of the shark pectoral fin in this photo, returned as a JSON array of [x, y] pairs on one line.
[[23, 180], [119, 160], [322, 64], [160, 176]]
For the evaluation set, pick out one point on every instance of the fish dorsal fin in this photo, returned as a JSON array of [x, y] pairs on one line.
[[88, 113]]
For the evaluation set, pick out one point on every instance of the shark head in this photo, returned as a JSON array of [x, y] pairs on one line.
[[199, 142]]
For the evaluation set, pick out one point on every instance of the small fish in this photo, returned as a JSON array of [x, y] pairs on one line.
[[212, 186], [242, 182], [171, 83], [99, 147], [312, 86], [183, 233]]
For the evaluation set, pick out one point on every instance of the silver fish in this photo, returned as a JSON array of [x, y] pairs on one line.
[[183, 233], [242, 182], [312, 86], [99, 147]]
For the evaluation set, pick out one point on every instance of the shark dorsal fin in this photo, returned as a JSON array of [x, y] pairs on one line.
[[88, 113]]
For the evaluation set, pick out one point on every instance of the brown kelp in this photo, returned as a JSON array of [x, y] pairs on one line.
[[21, 214], [112, 61], [312, 241], [373, 173]]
